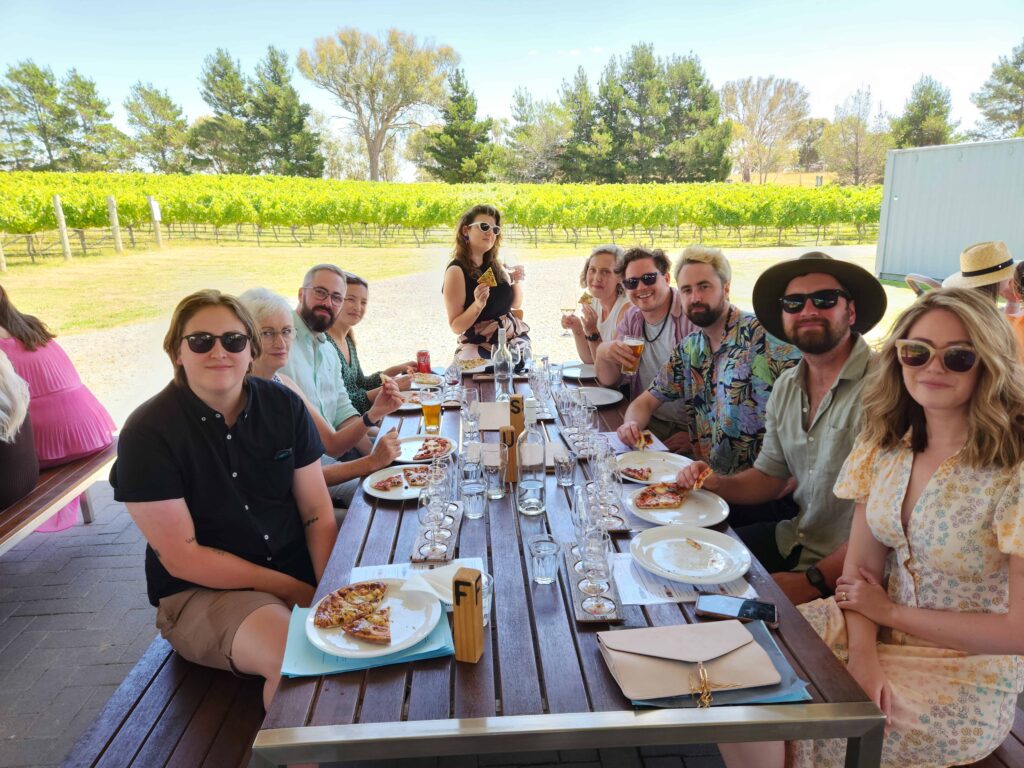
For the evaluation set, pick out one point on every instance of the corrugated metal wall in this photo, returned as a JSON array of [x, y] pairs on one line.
[[938, 200]]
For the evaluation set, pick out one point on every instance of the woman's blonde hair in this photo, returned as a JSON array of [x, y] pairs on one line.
[[461, 254], [13, 400], [995, 435], [189, 306]]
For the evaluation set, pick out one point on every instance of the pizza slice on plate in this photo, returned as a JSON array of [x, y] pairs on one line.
[[349, 603], [643, 474], [373, 628], [472, 362], [487, 278], [388, 483], [431, 448], [661, 496], [416, 476]]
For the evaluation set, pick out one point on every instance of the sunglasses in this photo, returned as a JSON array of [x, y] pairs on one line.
[[485, 227], [200, 343], [917, 354], [794, 302], [648, 278]]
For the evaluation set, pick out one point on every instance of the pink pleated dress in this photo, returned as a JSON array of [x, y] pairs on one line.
[[67, 419]]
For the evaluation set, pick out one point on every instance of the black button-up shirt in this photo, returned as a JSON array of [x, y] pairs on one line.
[[236, 482]]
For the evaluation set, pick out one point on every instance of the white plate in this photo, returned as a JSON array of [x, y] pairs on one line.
[[408, 447], [413, 616], [434, 380], [664, 466], [668, 552], [407, 406], [701, 508], [600, 396], [395, 494], [580, 371]]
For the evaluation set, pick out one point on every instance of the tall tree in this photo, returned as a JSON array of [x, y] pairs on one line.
[[768, 112], [854, 146], [94, 143], [283, 142], [534, 140], [161, 131], [657, 120], [1001, 98], [221, 142], [15, 144], [39, 115], [807, 136], [925, 120], [382, 84], [457, 154], [578, 151]]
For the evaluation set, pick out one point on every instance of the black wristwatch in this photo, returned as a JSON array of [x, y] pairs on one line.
[[368, 423], [817, 579], [593, 337]]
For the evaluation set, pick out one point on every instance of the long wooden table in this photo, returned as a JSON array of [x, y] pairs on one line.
[[541, 683]]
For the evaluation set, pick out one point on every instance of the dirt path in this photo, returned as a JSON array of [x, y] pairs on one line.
[[126, 365]]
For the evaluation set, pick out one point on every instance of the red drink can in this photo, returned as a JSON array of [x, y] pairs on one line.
[[423, 361]]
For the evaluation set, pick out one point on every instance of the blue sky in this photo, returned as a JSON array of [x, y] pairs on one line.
[[831, 48]]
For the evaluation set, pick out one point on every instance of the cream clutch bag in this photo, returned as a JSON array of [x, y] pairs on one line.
[[698, 659]]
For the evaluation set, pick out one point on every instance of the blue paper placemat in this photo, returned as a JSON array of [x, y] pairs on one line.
[[789, 689], [302, 659]]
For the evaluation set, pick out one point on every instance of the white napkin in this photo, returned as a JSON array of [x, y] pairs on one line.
[[494, 416], [437, 582]]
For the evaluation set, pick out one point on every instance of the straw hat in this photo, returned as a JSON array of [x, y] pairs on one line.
[[982, 264], [867, 292]]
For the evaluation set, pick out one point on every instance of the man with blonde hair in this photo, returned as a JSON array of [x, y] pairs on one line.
[[723, 372]]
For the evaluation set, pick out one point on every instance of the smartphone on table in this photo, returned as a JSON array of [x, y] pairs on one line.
[[728, 607]]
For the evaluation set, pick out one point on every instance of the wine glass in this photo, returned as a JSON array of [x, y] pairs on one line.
[[430, 516], [567, 312], [452, 377]]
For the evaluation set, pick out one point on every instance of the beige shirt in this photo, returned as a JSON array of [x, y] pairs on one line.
[[814, 455]]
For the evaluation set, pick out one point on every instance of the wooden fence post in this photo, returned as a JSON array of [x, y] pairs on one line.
[[62, 227], [154, 212], [115, 226]]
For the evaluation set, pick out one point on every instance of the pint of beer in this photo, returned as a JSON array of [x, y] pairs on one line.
[[430, 400], [636, 346]]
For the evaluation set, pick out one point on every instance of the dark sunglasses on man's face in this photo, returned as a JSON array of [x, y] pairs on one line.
[[201, 343], [485, 227], [794, 302], [648, 278], [917, 354]]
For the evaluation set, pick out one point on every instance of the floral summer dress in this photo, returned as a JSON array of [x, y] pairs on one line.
[[949, 707]]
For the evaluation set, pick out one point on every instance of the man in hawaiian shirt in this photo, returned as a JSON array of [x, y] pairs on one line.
[[723, 372]]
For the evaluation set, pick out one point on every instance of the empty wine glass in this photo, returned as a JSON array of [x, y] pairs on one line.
[[430, 516]]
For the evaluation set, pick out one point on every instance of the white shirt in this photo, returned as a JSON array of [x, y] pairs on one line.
[[607, 326], [314, 365]]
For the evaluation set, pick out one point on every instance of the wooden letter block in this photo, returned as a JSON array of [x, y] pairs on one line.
[[508, 438], [468, 615]]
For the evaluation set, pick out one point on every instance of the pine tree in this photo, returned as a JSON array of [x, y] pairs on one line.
[[221, 142], [1001, 99], [161, 131], [94, 143], [578, 152], [925, 120], [456, 154]]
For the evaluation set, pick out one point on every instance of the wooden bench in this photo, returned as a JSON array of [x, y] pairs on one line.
[[1010, 753], [56, 488], [170, 712]]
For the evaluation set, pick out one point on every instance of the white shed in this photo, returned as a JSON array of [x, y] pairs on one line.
[[938, 200]]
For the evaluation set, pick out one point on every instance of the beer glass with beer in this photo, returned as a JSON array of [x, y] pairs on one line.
[[636, 346], [430, 400]]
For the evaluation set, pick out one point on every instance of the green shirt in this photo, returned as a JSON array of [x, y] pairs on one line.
[[814, 455]]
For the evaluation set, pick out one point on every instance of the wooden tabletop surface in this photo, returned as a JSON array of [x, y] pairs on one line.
[[537, 659]]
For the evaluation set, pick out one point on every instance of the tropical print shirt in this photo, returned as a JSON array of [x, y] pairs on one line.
[[726, 392]]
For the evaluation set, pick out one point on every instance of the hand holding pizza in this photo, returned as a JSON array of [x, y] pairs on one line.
[[403, 381], [589, 319], [699, 475], [629, 433], [480, 294], [388, 400], [386, 450]]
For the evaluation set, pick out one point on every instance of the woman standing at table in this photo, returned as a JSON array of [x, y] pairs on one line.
[[68, 422], [475, 310], [362, 389], [601, 278], [221, 473], [937, 474], [273, 319]]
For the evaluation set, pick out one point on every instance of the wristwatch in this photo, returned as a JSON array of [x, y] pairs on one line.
[[817, 579], [593, 336], [368, 422]]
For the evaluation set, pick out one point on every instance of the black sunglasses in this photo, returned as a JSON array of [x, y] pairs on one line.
[[648, 278], [916, 354], [233, 341], [485, 227], [826, 299]]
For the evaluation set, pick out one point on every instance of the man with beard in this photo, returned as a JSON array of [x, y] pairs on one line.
[[723, 373], [315, 366], [657, 317], [822, 306]]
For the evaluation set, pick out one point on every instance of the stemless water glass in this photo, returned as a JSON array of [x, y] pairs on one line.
[[472, 483], [565, 466], [470, 413], [495, 464]]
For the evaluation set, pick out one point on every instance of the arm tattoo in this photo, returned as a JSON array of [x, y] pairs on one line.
[[310, 522], [190, 540]]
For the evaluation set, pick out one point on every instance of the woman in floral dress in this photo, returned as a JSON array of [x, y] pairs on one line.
[[937, 474]]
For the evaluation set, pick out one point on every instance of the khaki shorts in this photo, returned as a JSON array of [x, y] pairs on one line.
[[200, 624]]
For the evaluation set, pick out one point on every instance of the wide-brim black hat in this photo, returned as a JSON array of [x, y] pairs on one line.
[[868, 294]]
